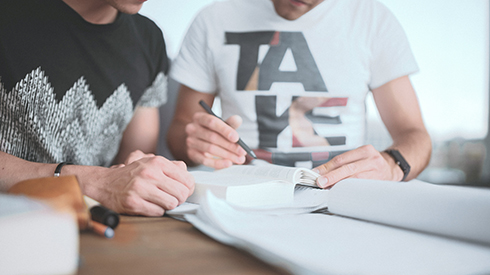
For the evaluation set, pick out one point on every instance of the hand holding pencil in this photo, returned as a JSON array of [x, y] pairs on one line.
[[240, 141], [214, 142]]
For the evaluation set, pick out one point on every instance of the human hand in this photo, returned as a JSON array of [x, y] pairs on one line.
[[364, 162], [133, 156], [213, 142], [136, 155], [144, 186]]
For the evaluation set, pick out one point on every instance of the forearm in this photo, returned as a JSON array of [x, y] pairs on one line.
[[176, 141], [141, 134], [416, 147], [92, 180], [147, 186], [399, 109], [14, 169]]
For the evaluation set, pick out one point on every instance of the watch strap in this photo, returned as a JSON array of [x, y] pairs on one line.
[[57, 171], [400, 161]]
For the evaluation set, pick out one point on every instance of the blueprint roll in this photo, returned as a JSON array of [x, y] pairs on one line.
[[452, 211]]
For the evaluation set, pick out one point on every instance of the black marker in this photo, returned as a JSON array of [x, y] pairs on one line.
[[104, 216], [240, 141]]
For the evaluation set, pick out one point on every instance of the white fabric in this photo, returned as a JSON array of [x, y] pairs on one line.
[[339, 51]]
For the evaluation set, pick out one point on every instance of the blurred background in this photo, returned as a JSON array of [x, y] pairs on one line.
[[450, 40]]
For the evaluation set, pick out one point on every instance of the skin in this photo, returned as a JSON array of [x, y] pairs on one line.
[[141, 183], [294, 9], [104, 11], [399, 109], [199, 138]]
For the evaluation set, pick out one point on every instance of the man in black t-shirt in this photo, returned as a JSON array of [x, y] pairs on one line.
[[81, 82]]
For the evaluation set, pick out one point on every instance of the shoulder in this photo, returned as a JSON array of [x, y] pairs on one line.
[[375, 9], [366, 14], [17, 9], [145, 24], [17, 16], [147, 31], [14, 5], [362, 7]]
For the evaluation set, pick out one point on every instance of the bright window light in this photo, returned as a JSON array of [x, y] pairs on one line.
[[450, 41]]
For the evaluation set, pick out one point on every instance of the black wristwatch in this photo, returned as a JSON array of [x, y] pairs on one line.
[[400, 161]]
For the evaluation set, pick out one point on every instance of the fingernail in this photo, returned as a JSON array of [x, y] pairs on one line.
[[322, 181], [316, 170]]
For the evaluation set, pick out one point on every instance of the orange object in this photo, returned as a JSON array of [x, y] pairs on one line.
[[64, 194], [101, 229]]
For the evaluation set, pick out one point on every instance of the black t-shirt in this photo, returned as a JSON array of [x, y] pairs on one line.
[[68, 87]]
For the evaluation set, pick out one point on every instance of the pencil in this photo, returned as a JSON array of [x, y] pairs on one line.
[[240, 141]]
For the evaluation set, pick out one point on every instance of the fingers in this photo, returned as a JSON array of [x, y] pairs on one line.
[[209, 159], [234, 121], [152, 185], [182, 165], [201, 151], [349, 170], [363, 162], [177, 172], [135, 204], [216, 125], [168, 194], [212, 142], [219, 163]]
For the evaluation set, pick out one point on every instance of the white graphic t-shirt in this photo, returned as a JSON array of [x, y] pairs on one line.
[[300, 86]]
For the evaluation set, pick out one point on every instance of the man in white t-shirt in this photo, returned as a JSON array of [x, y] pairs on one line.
[[294, 75]]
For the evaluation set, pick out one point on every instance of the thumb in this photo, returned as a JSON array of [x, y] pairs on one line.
[[234, 121]]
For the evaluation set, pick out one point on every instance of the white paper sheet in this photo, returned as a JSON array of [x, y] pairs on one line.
[[306, 200], [454, 211], [325, 244]]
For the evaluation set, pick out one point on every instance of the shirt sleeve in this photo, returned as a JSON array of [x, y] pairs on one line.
[[193, 65], [156, 93], [392, 56]]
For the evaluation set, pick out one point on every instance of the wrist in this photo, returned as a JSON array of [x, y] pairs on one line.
[[395, 170], [400, 167], [57, 170], [88, 177]]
